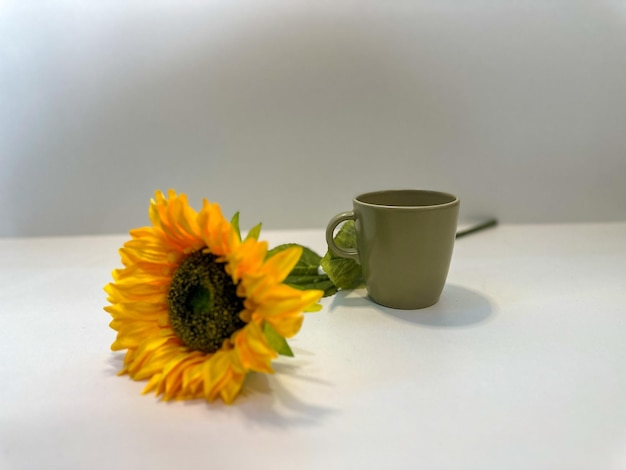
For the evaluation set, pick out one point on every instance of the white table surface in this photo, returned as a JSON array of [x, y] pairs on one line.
[[521, 365]]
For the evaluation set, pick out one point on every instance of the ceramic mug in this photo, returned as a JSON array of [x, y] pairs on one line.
[[405, 240]]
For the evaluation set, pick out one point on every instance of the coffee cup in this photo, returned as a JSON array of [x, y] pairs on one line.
[[405, 240]]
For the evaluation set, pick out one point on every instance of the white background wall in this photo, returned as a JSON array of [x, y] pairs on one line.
[[285, 110]]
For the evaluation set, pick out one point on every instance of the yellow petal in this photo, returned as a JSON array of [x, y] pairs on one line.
[[280, 265], [254, 351]]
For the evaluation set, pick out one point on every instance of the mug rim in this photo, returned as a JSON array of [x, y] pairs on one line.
[[454, 200]]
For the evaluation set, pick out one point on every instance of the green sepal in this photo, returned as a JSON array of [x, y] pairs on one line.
[[344, 273], [254, 232], [235, 223], [306, 273], [277, 342]]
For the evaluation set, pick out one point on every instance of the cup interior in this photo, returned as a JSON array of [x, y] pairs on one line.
[[407, 198]]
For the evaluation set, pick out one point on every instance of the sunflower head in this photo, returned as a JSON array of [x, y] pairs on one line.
[[194, 303]]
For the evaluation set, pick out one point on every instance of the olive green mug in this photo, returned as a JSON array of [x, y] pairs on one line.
[[405, 240]]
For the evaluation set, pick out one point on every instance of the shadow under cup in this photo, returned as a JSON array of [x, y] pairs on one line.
[[405, 240]]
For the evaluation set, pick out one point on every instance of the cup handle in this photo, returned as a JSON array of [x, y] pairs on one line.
[[330, 232]]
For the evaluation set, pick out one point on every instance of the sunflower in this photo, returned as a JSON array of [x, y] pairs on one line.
[[195, 304]]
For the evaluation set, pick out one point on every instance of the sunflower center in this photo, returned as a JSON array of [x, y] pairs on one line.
[[203, 303]]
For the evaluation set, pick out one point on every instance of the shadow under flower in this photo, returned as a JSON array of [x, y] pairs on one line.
[[268, 401]]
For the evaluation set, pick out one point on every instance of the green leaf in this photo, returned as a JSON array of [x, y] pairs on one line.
[[343, 272], [307, 264], [235, 223], [277, 342], [317, 281], [254, 232], [306, 273]]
